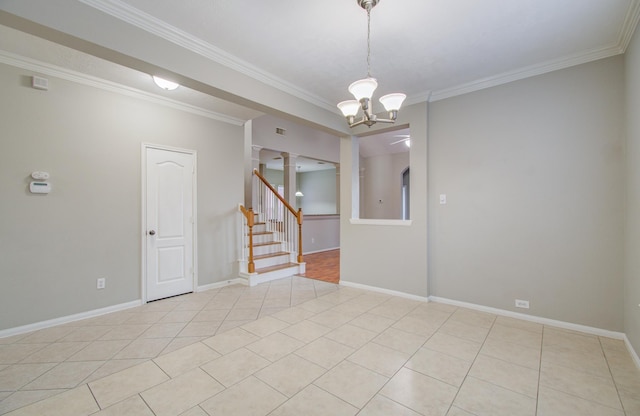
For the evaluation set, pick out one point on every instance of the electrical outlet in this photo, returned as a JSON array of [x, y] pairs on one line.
[[522, 304], [101, 283], [443, 199], [313, 240]]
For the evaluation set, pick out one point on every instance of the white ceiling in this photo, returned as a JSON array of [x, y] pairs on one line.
[[417, 46], [425, 48], [385, 143]]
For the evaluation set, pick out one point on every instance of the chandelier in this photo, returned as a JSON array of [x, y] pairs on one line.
[[363, 89]]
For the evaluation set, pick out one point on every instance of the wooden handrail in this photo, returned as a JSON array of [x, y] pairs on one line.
[[297, 214], [284, 201]]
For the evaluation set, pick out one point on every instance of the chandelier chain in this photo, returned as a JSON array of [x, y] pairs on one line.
[[369, 42]]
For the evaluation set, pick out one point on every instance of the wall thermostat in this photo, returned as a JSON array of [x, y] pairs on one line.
[[40, 176], [39, 187]]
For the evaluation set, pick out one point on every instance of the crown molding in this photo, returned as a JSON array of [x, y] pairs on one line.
[[626, 33], [424, 97], [526, 72], [630, 24], [148, 23], [17, 61]]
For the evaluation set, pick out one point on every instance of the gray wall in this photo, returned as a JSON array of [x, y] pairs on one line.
[[319, 189], [274, 177], [632, 223], [320, 233], [534, 177], [382, 180], [298, 139], [377, 254], [54, 247]]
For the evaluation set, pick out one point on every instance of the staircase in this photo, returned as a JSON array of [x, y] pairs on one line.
[[271, 241], [270, 258]]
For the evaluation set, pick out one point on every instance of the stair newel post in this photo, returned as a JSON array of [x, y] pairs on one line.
[[250, 223], [299, 216]]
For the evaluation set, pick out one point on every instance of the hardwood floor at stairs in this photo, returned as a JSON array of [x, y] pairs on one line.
[[323, 266]]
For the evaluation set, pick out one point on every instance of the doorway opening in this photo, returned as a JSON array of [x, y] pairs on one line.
[[406, 194]]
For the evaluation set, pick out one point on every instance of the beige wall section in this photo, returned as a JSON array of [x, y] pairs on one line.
[[388, 256], [533, 173], [632, 224], [54, 247], [298, 139], [383, 182], [320, 233], [319, 189]]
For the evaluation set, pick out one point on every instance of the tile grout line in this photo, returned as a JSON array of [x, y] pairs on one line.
[[406, 361], [588, 374], [472, 362], [320, 292], [540, 368], [613, 378]]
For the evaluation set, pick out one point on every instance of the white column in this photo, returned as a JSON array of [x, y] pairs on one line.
[[255, 157], [290, 177], [255, 164], [248, 186], [355, 177]]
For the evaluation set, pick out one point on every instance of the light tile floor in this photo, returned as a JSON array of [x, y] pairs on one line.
[[304, 347]]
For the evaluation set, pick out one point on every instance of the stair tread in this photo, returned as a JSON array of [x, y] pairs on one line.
[[274, 268], [262, 233], [268, 243], [266, 256]]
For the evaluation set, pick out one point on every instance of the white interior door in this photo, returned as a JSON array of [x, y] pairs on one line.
[[170, 224]]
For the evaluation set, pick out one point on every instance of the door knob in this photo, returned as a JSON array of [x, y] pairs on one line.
[[152, 232]]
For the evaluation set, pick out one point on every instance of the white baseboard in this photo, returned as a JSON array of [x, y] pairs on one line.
[[546, 321], [321, 251], [224, 283], [97, 312], [531, 318], [632, 352], [66, 319], [385, 291], [502, 312]]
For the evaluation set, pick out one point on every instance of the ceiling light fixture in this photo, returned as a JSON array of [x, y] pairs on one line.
[[165, 84], [363, 89]]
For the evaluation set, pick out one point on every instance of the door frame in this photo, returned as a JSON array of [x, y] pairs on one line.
[[143, 225]]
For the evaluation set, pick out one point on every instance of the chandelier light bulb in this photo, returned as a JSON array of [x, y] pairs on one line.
[[363, 88], [349, 108], [392, 102]]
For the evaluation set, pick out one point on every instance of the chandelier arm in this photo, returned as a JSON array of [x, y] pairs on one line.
[[357, 123]]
